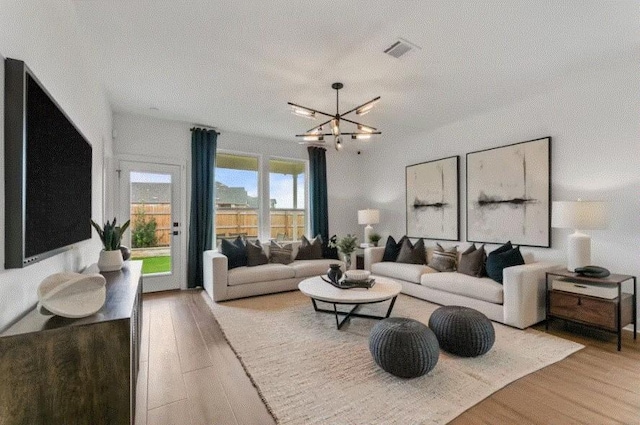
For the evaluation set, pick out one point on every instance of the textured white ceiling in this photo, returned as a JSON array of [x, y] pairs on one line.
[[235, 64]]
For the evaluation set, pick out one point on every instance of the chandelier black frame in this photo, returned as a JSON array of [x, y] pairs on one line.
[[316, 134]]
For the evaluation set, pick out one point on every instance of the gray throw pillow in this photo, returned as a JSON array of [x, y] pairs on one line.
[[310, 250], [472, 261], [281, 254], [411, 254], [444, 260], [255, 254]]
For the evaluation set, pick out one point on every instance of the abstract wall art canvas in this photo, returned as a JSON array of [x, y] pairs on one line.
[[509, 194], [432, 199]]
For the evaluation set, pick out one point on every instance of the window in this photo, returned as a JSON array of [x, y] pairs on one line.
[[237, 200], [260, 199], [287, 183]]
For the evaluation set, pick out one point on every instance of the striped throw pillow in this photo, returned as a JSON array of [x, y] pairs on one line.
[[280, 253], [444, 260]]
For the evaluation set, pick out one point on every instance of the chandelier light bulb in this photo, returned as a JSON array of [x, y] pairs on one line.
[[338, 144], [364, 128], [362, 136], [335, 127], [366, 108], [304, 113]]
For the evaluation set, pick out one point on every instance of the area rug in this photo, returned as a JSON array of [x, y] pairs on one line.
[[308, 372]]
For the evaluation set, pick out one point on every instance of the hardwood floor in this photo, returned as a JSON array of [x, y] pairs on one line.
[[190, 375]]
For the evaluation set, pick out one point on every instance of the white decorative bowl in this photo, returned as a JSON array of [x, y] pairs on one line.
[[357, 274], [72, 295]]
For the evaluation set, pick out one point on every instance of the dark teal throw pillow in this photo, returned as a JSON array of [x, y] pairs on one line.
[[496, 263], [392, 249], [236, 252]]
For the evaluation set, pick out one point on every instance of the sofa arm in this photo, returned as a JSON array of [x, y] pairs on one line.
[[372, 255], [524, 293], [215, 267]]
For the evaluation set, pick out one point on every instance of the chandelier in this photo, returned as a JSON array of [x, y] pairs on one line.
[[316, 135]]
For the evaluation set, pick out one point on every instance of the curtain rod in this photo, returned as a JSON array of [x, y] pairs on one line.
[[195, 126]]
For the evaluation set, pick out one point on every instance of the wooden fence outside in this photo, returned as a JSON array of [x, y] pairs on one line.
[[162, 214], [286, 224]]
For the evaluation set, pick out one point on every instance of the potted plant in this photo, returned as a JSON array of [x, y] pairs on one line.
[[374, 238], [111, 236], [347, 245]]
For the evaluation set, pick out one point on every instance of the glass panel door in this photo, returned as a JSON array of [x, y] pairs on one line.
[[150, 197]]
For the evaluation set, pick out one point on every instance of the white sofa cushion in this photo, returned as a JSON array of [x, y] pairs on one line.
[[408, 272], [262, 273], [484, 289], [308, 268]]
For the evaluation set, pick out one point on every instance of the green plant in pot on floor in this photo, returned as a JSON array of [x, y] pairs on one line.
[[346, 246], [111, 257]]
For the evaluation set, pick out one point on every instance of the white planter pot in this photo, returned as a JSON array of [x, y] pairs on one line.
[[110, 261]]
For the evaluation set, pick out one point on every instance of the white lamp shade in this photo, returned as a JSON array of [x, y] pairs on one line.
[[368, 216], [583, 215]]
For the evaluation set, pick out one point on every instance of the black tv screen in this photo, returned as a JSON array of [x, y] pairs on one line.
[[48, 166]]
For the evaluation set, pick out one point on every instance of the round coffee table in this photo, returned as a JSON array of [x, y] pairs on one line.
[[318, 290]]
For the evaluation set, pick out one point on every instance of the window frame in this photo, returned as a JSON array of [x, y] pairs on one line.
[[264, 192], [307, 211]]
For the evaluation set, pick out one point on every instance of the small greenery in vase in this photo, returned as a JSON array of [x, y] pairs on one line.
[[110, 234], [347, 245], [374, 238]]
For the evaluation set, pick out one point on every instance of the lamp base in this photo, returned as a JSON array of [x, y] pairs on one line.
[[578, 251], [368, 229]]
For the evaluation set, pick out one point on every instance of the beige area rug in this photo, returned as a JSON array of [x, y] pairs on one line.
[[308, 372]]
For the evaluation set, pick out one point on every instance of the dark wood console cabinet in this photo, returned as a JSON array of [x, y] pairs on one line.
[[75, 371]]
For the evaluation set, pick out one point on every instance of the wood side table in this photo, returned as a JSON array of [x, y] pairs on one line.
[[603, 313]]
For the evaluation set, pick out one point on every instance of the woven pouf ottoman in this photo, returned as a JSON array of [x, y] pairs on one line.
[[462, 331], [404, 347]]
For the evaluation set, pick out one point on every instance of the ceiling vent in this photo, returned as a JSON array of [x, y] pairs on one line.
[[400, 48]]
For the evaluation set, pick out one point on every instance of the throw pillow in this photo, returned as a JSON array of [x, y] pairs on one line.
[[330, 252], [411, 254], [310, 250], [472, 261], [496, 263], [392, 249], [235, 251], [255, 254], [280, 253], [444, 260], [504, 248]]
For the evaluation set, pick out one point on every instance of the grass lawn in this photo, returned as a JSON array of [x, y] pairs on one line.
[[155, 264]]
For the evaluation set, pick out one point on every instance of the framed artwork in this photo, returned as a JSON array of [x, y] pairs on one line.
[[432, 199], [509, 194]]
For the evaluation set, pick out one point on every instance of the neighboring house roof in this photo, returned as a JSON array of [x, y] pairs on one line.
[[150, 193], [160, 193], [236, 197]]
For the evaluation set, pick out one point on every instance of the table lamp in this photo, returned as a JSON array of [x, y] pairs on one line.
[[579, 215], [368, 217]]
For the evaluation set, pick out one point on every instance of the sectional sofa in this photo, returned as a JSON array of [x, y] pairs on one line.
[[518, 302]]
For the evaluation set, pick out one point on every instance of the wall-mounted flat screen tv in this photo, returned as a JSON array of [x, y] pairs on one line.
[[47, 172]]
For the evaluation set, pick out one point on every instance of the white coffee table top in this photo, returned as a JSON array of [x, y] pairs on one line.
[[318, 289]]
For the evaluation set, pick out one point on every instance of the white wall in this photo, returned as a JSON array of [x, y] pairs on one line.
[[45, 36], [594, 122], [151, 139]]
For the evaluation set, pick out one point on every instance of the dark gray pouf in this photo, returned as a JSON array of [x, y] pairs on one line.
[[404, 347], [462, 331]]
